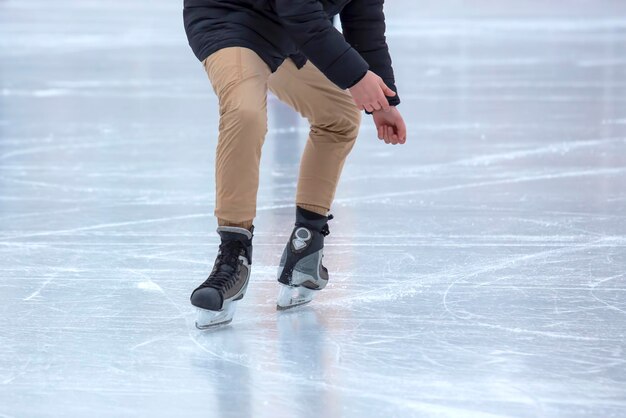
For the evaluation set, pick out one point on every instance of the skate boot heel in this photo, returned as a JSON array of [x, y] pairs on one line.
[[300, 272]]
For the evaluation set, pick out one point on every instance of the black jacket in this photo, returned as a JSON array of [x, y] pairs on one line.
[[299, 29]]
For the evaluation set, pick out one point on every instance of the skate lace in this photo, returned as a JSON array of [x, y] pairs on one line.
[[325, 230], [224, 275]]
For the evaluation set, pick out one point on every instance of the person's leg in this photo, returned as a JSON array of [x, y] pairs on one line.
[[239, 78], [335, 122]]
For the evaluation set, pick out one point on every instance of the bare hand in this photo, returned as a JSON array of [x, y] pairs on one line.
[[390, 126], [370, 93]]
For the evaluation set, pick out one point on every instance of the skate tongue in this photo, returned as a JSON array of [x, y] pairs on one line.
[[229, 253]]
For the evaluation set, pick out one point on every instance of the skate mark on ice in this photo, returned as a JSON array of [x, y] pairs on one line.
[[486, 160], [45, 214], [555, 225], [514, 180], [607, 304], [495, 267], [429, 408], [411, 286], [510, 263], [555, 335], [153, 286], [604, 242], [110, 225], [23, 370], [393, 339], [230, 357], [150, 285], [133, 223], [150, 341], [87, 144], [37, 292]]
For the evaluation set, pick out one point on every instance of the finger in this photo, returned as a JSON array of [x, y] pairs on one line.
[[387, 91], [382, 101], [369, 108], [380, 132], [387, 136], [391, 141], [376, 106], [393, 138], [384, 104], [401, 131]]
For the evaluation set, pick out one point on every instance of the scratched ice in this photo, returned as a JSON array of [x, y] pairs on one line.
[[478, 271]]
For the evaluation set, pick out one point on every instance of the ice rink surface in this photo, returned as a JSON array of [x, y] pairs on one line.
[[477, 271]]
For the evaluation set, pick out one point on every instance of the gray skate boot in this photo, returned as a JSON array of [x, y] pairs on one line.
[[217, 297], [301, 272]]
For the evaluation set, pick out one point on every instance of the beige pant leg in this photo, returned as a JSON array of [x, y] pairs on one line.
[[239, 78], [334, 120]]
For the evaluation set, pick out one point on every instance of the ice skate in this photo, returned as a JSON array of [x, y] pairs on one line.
[[301, 273], [217, 297]]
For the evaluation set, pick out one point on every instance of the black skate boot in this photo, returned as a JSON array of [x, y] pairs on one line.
[[301, 272], [216, 298]]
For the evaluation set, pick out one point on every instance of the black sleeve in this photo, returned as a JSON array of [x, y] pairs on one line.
[[363, 23], [316, 37]]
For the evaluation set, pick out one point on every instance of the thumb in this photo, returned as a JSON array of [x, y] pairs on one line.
[[386, 90]]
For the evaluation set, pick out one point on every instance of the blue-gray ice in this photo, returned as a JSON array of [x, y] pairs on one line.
[[478, 271]]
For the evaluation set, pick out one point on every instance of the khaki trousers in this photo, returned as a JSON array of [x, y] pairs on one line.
[[240, 78]]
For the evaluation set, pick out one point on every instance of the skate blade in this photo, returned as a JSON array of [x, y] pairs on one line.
[[292, 296], [212, 319]]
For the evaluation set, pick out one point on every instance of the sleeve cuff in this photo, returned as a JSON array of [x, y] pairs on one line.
[[347, 70]]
